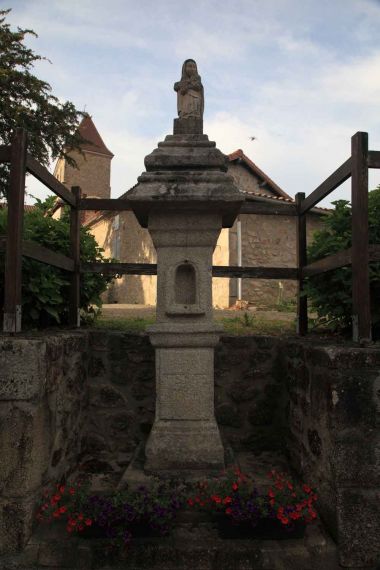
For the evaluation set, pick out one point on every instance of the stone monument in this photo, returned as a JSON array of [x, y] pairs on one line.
[[185, 198]]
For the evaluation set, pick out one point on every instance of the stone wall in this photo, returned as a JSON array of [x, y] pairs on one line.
[[334, 440], [135, 246], [249, 397], [93, 173], [86, 400], [270, 241], [42, 412]]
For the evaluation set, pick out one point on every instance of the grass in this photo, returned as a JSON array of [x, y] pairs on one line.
[[239, 325]]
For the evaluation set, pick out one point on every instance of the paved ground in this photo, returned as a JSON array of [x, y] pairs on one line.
[[134, 311]]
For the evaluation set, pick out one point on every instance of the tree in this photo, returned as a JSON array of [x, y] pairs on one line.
[[27, 102], [45, 289], [330, 293]]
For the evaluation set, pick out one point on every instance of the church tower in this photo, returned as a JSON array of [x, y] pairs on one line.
[[93, 174]]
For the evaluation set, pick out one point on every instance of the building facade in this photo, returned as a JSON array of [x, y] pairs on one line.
[[256, 240]]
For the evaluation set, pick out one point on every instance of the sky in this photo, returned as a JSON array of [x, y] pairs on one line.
[[299, 75]]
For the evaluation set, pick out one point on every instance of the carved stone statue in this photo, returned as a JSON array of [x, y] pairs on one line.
[[190, 99]]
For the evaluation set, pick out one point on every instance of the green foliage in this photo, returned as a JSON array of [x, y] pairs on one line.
[[286, 306], [45, 289], [27, 102], [331, 292]]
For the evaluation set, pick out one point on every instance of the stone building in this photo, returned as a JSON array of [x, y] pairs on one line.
[[255, 240]]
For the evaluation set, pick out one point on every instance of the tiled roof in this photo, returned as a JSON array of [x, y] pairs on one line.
[[89, 132], [239, 155]]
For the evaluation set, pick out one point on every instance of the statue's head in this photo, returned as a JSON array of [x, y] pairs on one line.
[[189, 69]]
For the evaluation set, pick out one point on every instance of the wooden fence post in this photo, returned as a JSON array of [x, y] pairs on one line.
[[361, 306], [13, 255], [74, 306], [301, 262]]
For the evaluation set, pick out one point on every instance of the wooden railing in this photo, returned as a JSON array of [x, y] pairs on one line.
[[22, 162], [359, 255]]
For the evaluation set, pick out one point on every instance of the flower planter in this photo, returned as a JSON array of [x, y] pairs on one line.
[[265, 529]]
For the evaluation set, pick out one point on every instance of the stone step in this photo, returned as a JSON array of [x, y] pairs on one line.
[[188, 548]]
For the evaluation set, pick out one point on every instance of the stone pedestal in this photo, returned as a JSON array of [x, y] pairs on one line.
[[185, 198]]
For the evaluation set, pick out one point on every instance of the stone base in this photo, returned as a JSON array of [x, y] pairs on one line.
[[136, 474], [183, 446], [189, 126]]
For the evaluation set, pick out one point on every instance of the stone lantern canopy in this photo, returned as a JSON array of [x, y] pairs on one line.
[[185, 198]]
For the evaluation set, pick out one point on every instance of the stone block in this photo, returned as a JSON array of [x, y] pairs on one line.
[[356, 458], [23, 369], [96, 366], [25, 442], [98, 340], [16, 520], [227, 415], [106, 396], [243, 390], [355, 400], [74, 342], [359, 527]]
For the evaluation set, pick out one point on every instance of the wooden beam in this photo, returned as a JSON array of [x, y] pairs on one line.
[[373, 159], [255, 272], [361, 306], [302, 321], [339, 259], [120, 268], [266, 209], [104, 204], [337, 178], [5, 153], [217, 270], [44, 255], [43, 175], [74, 301], [13, 260]]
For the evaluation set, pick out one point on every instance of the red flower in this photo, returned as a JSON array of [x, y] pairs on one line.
[[62, 509], [62, 489], [88, 522], [190, 502], [227, 500], [71, 490], [228, 511], [235, 486], [271, 493], [217, 499], [306, 488], [56, 514]]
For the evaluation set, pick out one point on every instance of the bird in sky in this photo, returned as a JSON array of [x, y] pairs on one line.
[[253, 138]]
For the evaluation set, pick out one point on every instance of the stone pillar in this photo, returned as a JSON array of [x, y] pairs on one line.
[[185, 434], [184, 199]]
